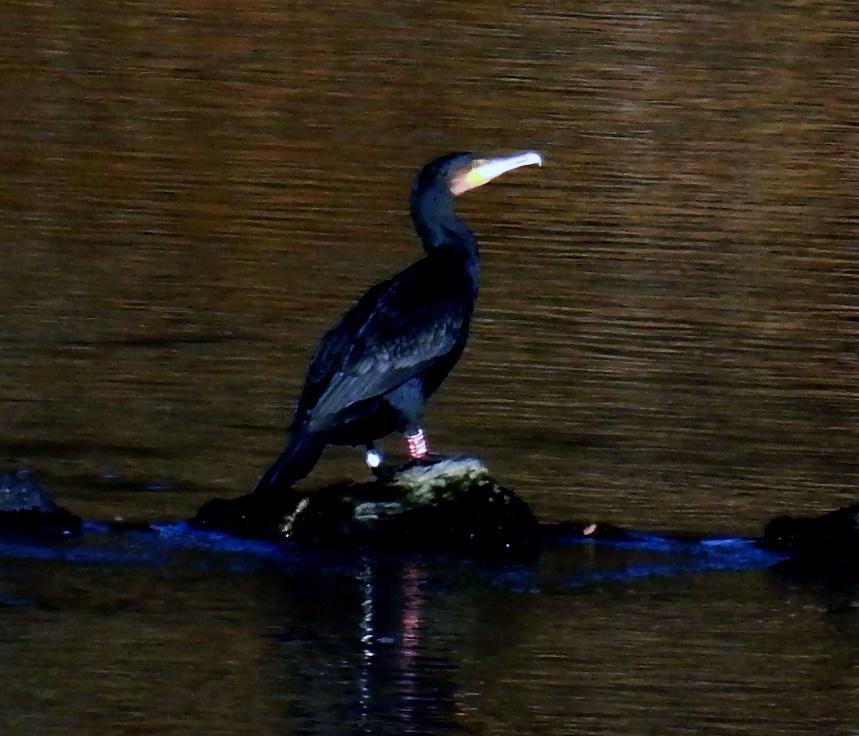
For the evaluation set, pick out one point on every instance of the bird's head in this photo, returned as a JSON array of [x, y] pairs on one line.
[[462, 172], [440, 181]]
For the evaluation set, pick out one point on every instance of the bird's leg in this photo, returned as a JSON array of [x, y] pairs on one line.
[[418, 449]]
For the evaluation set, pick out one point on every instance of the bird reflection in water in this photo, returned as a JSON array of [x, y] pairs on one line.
[[357, 655], [398, 682]]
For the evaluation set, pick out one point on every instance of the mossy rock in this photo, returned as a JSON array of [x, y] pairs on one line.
[[452, 506]]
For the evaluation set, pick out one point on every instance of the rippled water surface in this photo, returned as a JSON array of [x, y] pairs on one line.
[[666, 338]]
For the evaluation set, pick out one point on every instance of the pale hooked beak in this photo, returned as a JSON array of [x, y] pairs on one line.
[[484, 170]]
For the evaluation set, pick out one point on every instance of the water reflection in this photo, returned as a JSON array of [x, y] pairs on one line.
[[361, 658], [220, 639]]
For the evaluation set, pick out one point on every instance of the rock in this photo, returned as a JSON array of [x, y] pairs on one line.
[[18, 492], [827, 543], [452, 506], [594, 531], [26, 510]]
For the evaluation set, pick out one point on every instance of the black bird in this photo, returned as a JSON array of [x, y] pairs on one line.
[[373, 372]]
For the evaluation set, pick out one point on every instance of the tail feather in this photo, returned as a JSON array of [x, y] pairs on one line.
[[294, 463]]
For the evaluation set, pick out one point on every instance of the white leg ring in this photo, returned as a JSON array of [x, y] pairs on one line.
[[373, 458]]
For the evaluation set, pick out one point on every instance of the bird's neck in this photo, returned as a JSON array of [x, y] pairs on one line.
[[444, 234]]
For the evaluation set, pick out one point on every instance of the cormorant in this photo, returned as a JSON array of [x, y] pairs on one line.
[[373, 372]]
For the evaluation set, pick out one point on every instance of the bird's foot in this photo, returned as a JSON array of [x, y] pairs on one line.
[[384, 472], [429, 458]]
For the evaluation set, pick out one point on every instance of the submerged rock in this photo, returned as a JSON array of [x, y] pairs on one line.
[[26, 510], [452, 506], [826, 543], [594, 531]]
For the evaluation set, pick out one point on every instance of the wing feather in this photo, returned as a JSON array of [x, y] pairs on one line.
[[398, 329]]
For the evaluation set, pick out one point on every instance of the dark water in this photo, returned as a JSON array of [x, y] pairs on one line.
[[666, 338]]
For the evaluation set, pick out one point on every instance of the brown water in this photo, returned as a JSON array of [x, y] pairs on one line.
[[666, 338]]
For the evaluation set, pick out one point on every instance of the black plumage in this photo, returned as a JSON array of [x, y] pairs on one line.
[[373, 372]]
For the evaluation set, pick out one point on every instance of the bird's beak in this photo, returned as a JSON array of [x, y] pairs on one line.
[[487, 169]]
